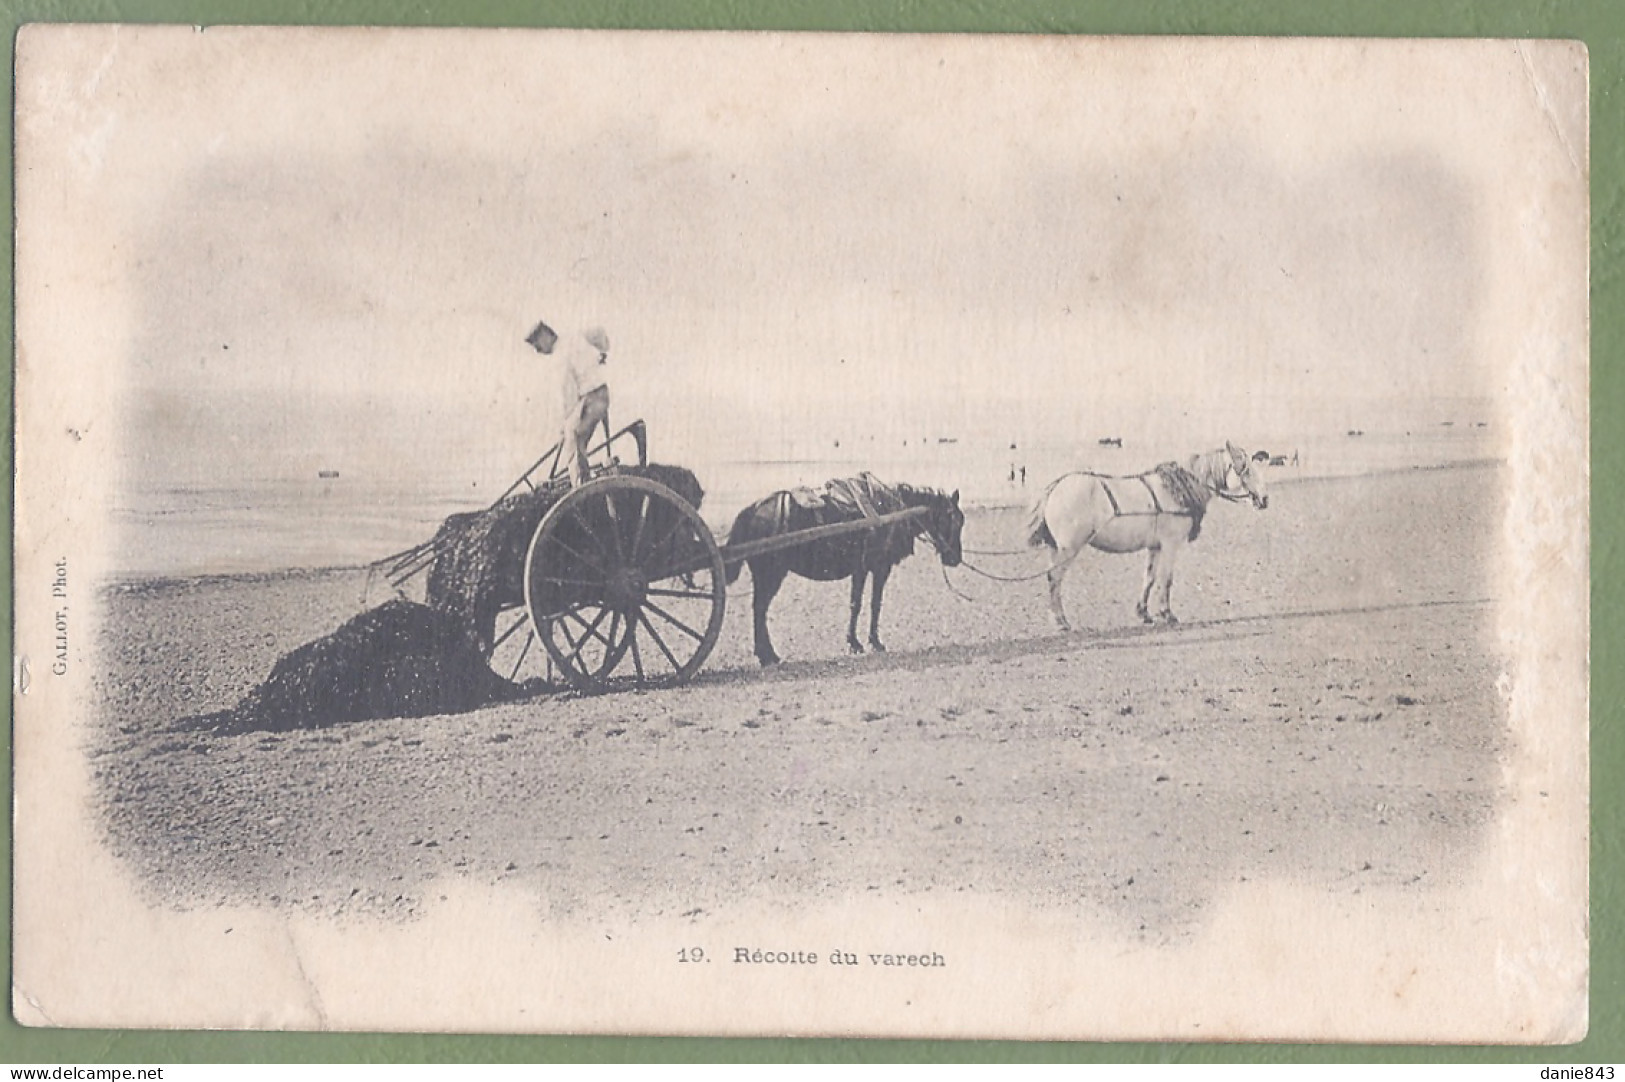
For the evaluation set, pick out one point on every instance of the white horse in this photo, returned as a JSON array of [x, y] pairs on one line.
[[1160, 511]]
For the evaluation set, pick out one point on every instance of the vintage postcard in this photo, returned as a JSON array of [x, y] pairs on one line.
[[911, 536]]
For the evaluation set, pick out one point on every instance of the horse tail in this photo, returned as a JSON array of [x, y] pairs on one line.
[[764, 518], [1038, 535], [737, 533]]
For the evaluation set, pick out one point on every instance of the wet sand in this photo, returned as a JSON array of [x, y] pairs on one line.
[[1325, 714]]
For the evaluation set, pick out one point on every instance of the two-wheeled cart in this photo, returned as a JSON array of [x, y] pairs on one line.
[[622, 581]]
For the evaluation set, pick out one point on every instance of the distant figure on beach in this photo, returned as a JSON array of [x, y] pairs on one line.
[[584, 362]]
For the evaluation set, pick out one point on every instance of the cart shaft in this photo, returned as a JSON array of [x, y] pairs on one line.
[[733, 554]]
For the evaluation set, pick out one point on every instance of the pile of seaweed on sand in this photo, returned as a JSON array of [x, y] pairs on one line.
[[399, 660], [479, 562], [404, 659]]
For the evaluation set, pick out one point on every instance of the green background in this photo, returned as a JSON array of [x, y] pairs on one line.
[[1599, 23]]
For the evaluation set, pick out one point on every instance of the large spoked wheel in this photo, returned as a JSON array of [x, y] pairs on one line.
[[517, 654], [623, 574]]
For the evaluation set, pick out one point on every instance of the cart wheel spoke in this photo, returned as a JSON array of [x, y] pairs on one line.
[[657, 552], [637, 655], [578, 554], [530, 639], [591, 631], [614, 632], [580, 647], [613, 528], [676, 665], [519, 622], [600, 532], [670, 619], [588, 584], [513, 654], [576, 645], [637, 530]]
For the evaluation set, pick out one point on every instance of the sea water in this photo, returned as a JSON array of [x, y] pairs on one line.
[[281, 522]]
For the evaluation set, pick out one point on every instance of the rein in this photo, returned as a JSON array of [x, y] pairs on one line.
[[946, 581], [1016, 578], [968, 566]]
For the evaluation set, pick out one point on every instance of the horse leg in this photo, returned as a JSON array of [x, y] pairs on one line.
[[1144, 606], [852, 642], [1165, 584], [1057, 575], [764, 587], [874, 609]]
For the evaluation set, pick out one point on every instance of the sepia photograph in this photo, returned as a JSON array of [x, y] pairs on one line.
[[1027, 537]]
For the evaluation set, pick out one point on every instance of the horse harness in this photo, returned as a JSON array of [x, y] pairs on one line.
[[1151, 490], [1219, 490], [865, 495]]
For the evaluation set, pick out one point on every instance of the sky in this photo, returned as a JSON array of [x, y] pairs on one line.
[[327, 247]]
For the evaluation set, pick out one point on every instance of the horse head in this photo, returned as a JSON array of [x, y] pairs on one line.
[[944, 525], [1250, 479]]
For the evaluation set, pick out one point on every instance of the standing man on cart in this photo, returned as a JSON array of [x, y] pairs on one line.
[[583, 368]]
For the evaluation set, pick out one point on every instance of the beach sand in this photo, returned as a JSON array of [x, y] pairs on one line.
[[1326, 714]]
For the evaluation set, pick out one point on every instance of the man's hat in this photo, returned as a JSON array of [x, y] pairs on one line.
[[596, 337], [542, 333]]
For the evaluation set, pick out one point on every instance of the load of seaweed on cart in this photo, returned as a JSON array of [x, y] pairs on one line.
[[476, 560]]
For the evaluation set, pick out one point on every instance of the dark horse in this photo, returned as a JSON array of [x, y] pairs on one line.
[[855, 555]]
